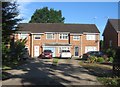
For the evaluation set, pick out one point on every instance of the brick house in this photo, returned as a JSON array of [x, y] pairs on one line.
[[78, 38], [111, 34]]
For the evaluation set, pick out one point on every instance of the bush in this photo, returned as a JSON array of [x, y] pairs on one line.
[[5, 54], [112, 82], [111, 59], [92, 59], [11, 55], [110, 52], [55, 61], [100, 60]]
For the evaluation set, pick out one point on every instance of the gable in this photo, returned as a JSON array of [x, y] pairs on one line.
[[109, 28]]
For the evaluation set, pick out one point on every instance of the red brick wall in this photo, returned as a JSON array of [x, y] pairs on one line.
[[94, 43], [110, 34], [75, 43], [81, 43]]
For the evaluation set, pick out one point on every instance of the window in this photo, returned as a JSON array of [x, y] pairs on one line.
[[23, 36], [63, 36], [90, 48], [90, 37], [50, 36], [76, 37], [37, 37], [63, 48]]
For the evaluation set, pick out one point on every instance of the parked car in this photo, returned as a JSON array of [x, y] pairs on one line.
[[94, 53], [46, 54], [65, 54]]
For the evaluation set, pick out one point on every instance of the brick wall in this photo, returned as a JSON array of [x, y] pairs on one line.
[[110, 34]]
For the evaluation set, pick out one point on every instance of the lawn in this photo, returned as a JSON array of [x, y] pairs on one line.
[[102, 72]]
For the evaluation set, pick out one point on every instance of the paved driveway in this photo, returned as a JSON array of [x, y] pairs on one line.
[[42, 72]]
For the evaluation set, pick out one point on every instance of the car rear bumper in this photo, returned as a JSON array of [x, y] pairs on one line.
[[46, 56], [65, 56]]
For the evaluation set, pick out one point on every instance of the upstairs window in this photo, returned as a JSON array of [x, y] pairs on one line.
[[90, 37], [63, 36], [23, 36], [50, 36], [76, 37], [37, 37]]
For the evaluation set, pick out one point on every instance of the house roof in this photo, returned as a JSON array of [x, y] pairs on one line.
[[58, 27], [115, 23]]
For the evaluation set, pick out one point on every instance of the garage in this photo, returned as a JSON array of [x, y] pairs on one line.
[[50, 48]]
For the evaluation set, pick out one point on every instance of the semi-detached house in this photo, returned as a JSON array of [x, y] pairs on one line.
[[78, 38], [111, 34]]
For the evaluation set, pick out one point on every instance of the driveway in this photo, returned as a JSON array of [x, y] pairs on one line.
[[42, 72]]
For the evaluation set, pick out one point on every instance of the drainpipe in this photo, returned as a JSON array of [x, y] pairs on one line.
[[32, 44], [81, 44], [98, 42]]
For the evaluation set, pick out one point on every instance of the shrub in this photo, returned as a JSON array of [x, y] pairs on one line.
[[112, 82], [111, 59], [5, 54], [55, 61], [92, 59], [11, 55], [110, 52], [100, 60]]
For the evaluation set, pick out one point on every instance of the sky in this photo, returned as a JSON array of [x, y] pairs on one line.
[[75, 12]]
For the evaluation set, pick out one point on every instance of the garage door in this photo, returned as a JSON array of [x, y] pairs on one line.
[[50, 48], [90, 48]]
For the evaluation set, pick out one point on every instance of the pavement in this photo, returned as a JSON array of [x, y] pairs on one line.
[[68, 72]]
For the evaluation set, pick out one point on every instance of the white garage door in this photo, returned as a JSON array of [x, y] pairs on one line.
[[90, 48]]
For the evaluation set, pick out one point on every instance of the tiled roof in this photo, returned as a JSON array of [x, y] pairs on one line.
[[115, 23], [58, 27]]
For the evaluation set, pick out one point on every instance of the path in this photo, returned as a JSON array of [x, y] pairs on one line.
[[41, 72]]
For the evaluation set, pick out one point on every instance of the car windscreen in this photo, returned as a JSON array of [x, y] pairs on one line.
[[65, 51], [47, 51]]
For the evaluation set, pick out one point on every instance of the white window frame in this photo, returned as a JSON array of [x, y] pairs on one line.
[[63, 36], [26, 36], [76, 37], [53, 36], [90, 37], [37, 36], [63, 48], [93, 47]]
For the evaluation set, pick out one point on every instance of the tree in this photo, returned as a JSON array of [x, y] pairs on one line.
[[46, 15], [9, 20], [101, 45]]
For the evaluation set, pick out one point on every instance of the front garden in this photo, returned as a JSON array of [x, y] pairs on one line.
[[102, 67]]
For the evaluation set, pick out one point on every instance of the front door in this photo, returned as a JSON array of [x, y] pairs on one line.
[[36, 51], [76, 51]]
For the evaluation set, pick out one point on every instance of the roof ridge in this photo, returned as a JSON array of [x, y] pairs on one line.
[[59, 23]]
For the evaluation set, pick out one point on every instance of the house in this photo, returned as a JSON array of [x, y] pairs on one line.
[[111, 34], [78, 38]]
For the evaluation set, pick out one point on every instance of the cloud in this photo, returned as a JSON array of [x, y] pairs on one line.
[[23, 11]]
